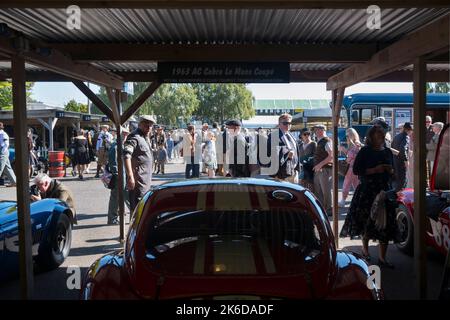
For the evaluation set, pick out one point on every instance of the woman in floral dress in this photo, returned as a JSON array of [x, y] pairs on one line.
[[374, 166]]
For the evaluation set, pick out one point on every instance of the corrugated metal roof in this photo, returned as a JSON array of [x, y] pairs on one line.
[[125, 66], [6, 65], [218, 26], [431, 67], [318, 66]]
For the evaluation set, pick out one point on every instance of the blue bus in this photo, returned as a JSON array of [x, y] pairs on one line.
[[396, 108]]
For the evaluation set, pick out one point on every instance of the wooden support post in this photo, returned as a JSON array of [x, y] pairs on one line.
[[44, 136], [420, 220], [114, 99], [50, 135], [338, 95], [65, 137], [120, 164], [23, 195]]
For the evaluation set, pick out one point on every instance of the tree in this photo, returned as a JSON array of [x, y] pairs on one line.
[[220, 102], [72, 105], [138, 88], [438, 87], [6, 102], [172, 104]]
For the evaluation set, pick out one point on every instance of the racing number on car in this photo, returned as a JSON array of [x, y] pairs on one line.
[[446, 236], [441, 234]]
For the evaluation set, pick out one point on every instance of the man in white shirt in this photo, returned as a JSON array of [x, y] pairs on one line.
[[5, 165]]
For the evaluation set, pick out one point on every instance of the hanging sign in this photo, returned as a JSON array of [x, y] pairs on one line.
[[224, 72], [128, 87]]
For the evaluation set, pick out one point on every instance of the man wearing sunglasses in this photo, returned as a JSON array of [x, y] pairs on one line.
[[288, 164]]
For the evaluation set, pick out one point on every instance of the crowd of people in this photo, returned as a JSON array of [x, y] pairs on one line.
[[376, 169]]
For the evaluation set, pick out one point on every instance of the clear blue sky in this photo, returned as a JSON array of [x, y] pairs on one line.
[[59, 93]]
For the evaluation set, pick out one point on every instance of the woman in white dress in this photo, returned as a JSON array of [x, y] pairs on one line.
[[209, 154]]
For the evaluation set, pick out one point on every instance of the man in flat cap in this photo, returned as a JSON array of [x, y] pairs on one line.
[[104, 141], [139, 160], [236, 150], [323, 157], [113, 207]]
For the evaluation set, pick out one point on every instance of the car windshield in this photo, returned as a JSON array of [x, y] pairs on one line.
[[277, 241]]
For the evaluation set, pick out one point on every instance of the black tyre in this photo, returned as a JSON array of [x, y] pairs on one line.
[[56, 248], [406, 229]]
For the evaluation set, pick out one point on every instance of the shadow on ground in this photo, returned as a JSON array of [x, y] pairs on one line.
[[399, 283], [51, 285]]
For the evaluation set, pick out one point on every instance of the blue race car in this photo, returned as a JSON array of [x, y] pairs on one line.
[[51, 225]]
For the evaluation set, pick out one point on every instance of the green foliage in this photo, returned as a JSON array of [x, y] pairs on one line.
[[220, 102], [72, 105], [6, 102], [438, 87], [174, 104]]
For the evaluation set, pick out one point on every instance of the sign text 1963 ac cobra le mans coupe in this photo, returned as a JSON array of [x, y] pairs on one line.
[[232, 239], [51, 227]]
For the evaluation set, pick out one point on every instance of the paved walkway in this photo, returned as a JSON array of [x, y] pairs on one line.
[[92, 238]]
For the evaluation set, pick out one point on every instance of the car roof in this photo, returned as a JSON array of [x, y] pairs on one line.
[[234, 181]]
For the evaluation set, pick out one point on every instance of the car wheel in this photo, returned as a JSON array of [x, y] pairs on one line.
[[57, 246], [406, 229]]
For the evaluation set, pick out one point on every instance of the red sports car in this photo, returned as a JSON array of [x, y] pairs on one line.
[[232, 239], [437, 203]]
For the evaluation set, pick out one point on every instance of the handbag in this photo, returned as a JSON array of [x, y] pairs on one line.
[[109, 179], [343, 167]]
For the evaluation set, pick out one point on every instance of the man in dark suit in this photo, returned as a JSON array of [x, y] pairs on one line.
[[401, 143], [236, 147], [287, 148]]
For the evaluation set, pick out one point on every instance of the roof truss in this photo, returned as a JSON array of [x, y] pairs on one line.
[[431, 39], [43, 55]]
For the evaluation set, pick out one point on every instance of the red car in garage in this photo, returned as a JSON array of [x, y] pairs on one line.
[[229, 239], [437, 203]]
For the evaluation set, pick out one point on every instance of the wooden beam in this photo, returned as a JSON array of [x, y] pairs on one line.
[[309, 53], [23, 195], [420, 218], [120, 168], [337, 97], [93, 97], [221, 4], [430, 39], [56, 61], [295, 76], [113, 103], [139, 101]]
